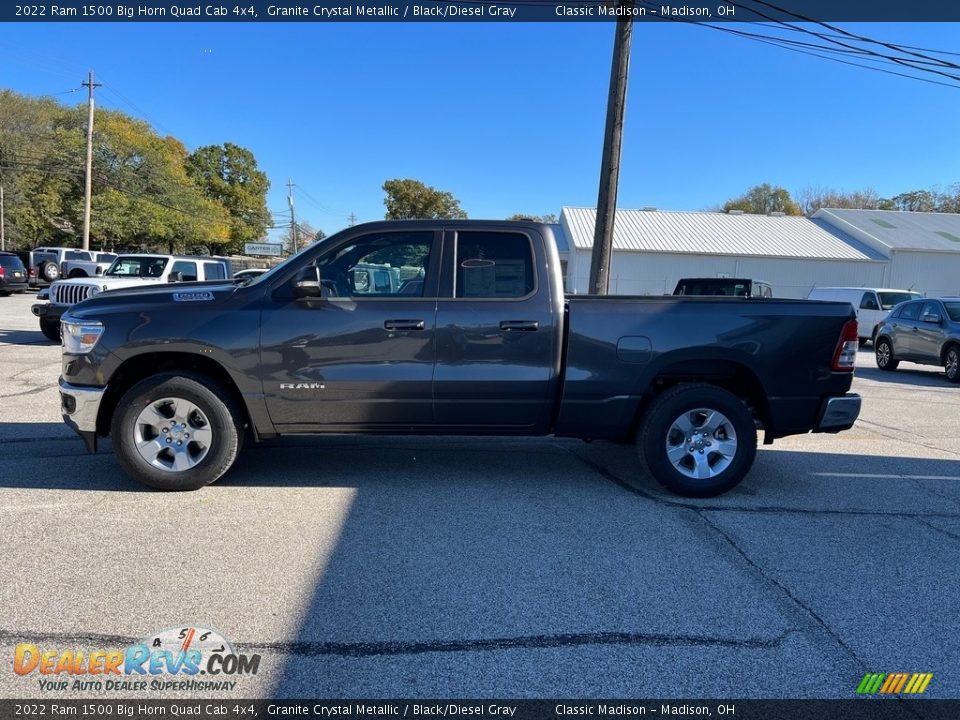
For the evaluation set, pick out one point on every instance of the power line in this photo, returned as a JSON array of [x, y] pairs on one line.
[[897, 60]]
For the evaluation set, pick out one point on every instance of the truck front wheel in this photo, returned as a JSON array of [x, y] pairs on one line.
[[177, 431], [697, 440], [50, 329]]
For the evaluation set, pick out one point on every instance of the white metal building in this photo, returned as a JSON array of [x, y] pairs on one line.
[[923, 249], [653, 249]]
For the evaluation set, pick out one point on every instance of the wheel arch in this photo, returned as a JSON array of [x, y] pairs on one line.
[[731, 375], [139, 367]]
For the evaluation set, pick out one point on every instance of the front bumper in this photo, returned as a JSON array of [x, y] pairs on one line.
[[80, 406], [46, 311], [838, 413]]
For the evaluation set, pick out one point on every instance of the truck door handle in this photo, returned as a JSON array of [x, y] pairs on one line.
[[527, 325], [403, 324]]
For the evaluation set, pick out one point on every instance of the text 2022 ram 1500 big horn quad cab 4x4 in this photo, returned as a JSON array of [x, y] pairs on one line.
[[470, 333]]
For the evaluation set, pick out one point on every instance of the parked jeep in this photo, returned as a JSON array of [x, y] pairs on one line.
[[126, 271]]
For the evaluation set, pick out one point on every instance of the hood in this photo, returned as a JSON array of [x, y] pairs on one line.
[[188, 295]]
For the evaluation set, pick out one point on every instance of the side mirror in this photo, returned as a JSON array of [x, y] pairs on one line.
[[307, 283], [933, 318], [175, 277]]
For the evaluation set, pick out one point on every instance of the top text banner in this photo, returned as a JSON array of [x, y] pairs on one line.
[[792, 11]]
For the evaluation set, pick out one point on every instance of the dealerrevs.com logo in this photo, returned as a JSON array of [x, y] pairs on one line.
[[177, 659]]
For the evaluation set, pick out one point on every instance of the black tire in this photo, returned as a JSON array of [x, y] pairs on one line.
[[883, 353], [221, 416], [720, 471], [78, 273], [951, 364], [6, 293], [49, 271], [50, 329]]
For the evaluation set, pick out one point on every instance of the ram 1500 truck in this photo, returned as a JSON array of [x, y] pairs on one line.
[[479, 340]]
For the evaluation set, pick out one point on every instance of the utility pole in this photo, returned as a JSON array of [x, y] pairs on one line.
[[293, 216], [352, 219], [3, 237], [88, 184], [610, 160]]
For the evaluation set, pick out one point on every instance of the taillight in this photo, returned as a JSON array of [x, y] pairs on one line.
[[33, 272], [3, 272], [845, 356]]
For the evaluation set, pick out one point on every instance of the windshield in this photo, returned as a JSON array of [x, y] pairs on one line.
[[953, 310], [889, 299], [134, 266]]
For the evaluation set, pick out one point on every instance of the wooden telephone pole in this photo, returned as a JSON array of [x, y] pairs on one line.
[[88, 182], [610, 160]]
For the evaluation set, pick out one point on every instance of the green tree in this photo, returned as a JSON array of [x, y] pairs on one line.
[[228, 174], [408, 199], [142, 194], [763, 200]]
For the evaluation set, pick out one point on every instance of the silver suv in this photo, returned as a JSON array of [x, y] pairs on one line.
[[922, 331]]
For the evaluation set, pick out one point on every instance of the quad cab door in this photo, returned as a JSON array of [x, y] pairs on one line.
[[361, 355], [498, 332]]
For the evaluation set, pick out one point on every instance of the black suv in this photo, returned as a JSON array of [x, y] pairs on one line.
[[13, 275], [922, 331]]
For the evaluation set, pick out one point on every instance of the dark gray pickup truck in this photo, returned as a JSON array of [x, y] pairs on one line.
[[448, 327]]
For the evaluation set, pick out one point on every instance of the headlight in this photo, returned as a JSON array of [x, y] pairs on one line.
[[94, 290], [79, 336]]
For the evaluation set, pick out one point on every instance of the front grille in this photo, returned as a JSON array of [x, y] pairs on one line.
[[66, 294]]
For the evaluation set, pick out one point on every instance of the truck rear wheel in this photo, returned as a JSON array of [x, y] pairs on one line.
[[177, 431], [50, 329], [697, 440]]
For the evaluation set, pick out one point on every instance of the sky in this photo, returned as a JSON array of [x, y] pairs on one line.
[[507, 117]]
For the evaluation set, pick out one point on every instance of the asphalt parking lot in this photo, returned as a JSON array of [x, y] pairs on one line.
[[399, 567]]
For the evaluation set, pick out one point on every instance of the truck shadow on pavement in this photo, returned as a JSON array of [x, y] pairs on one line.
[[24, 337], [509, 568], [928, 376]]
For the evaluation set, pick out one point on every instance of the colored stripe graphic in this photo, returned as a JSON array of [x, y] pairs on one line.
[[870, 683], [894, 683]]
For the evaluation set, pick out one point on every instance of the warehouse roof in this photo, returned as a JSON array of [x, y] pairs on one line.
[[715, 233], [896, 230]]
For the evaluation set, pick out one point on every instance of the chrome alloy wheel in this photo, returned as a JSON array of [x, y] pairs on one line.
[[172, 434], [883, 353], [951, 365], [701, 443]]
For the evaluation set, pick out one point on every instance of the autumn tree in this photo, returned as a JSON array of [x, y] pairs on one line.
[[763, 200], [813, 198], [408, 199]]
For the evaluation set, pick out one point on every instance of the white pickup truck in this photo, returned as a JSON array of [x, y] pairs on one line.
[[100, 263], [126, 271]]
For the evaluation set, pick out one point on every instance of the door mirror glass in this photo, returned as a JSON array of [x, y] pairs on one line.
[[175, 277]]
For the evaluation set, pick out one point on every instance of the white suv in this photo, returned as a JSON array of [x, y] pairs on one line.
[[134, 270]]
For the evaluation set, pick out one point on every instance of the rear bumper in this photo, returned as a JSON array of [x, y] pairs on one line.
[[80, 406], [838, 413]]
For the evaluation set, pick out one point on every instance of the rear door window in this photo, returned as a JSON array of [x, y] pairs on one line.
[[214, 271], [494, 265], [910, 311], [186, 268]]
